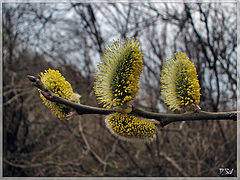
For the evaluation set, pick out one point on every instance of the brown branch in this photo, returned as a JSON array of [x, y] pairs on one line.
[[93, 153], [163, 119], [174, 163], [46, 163]]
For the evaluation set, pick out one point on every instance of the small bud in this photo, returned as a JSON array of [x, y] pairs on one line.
[[47, 95], [32, 78], [126, 108]]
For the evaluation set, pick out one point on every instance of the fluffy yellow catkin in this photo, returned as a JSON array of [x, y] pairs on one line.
[[129, 127], [118, 73], [180, 85], [56, 83]]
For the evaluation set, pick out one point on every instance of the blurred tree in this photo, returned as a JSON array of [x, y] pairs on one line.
[[72, 37]]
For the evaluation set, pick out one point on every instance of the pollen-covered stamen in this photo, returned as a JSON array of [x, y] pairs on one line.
[[56, 83], [118, 73], [130, 127], [120, 79], [180, 85], [184, 84]]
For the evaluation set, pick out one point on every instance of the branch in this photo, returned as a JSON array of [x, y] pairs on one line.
[[163, 119], [201, 115], [173, 162], [42, 164]]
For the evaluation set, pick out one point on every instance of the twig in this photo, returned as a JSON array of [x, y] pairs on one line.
[[163, 119], [14, 98], [93, 153], [173, 162], [36, 165]]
